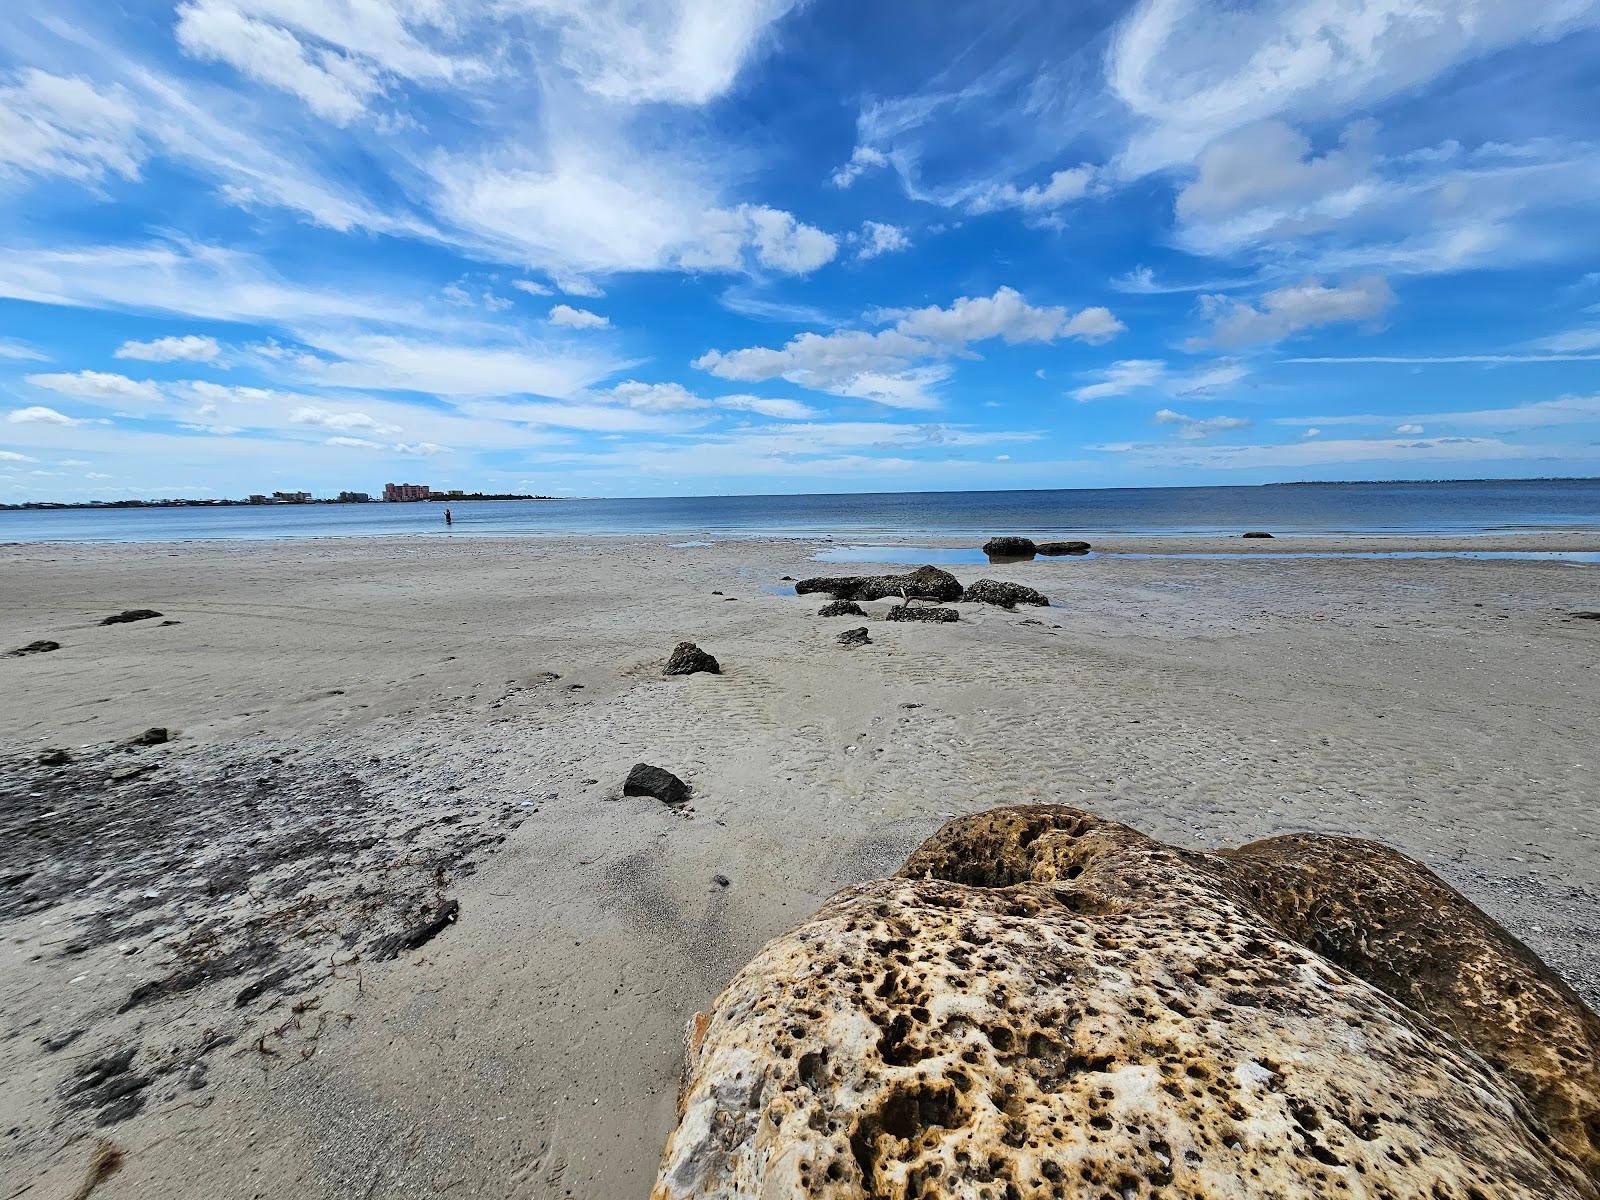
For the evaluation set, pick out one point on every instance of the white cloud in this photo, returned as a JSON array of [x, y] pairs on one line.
[[328, 419], [1063, 188], [51, 125], [39, 415], [1574, 341], [1419, 453], [577, 318], [1312, 432], [531, 286], [676, 51], [785, 244], [13, 456], [878, 238], [18, 351], [862, 160], [674, 397], [786, 410], [98, 386], [1538, 414], [334, 85], [1191, 74], [420, 364], [891, 366], [1287, 310], [1008, 316], [1195, 428], [189, 348], [1120, 378]]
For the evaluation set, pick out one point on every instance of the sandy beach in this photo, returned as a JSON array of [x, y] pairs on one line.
[[365, 732]]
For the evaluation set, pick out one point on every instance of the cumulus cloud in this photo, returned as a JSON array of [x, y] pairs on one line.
[[577, 318], [97, 386], [1063, 188], [38, 414], [189, 348], [329, 419], [891, 366], [862, 160], [878, 238], [1288, 310]]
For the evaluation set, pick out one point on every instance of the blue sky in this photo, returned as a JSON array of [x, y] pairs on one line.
[[611, 247]]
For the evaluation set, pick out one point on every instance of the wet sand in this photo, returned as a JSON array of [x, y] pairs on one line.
[[367, 730]]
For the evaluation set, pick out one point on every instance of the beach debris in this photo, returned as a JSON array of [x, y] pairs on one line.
[[786, 579], [43, 646], [131, 614], [1136, 1019], [1586, 616], [60, 1041], [1006, 595], [416, 936], [110, 1085], [1255, 533], [841, 608], [1057, 549], [156, 735], [105, 1162], [855, 637], [646, 780], [54, 758], [915, 612], [925, 583], [721, 880], [1010, 547], [689, 659]]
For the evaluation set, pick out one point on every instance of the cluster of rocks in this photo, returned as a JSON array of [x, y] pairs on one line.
[[1043, 1003], [1023, 548], [926, 583]]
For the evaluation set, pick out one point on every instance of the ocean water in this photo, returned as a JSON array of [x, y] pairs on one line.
[[1472, 507]]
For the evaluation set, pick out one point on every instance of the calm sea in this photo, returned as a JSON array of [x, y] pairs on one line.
[[1496, 506]]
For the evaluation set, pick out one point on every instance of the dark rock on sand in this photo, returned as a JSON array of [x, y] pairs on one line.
[[154, 736], [925, 583], [1586, 616], [131, 614], [645, 780], [416, 936], [39, 647], [1056, 549], [1006, 595], [855, 637], [54, 758], [1303, 1016], [689, 659], [1010, 547], [841, 608], [911, 612], [1256, 534]]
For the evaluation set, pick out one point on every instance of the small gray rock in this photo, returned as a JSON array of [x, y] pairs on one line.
[[907, 613], [841, 608], [131, 614], [855, 637]]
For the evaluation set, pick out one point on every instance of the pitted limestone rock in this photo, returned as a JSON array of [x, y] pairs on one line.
[[1045, 1004]]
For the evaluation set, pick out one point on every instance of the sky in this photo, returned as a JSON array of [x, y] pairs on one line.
[[626, 248]]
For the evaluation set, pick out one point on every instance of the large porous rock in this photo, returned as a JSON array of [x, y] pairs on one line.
[[1006, 595], [1046, 1004], [128, 615], [914, 612], [841, 608], [925, 583], [1056, 549], [689, 659], [1010, 547]]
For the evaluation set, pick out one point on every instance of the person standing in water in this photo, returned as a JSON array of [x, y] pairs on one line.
[[448, 519]]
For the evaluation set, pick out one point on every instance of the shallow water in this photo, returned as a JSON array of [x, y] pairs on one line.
[[946, 556]]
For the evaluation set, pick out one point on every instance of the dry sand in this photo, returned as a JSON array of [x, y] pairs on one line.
[[365, 729]]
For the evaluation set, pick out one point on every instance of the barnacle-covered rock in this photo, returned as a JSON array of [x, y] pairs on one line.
[[1045, 1004], [925, 583]]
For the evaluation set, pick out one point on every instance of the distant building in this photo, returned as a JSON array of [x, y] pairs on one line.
[[401, 492], [258, 498], [354, 498], [291, 497]]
